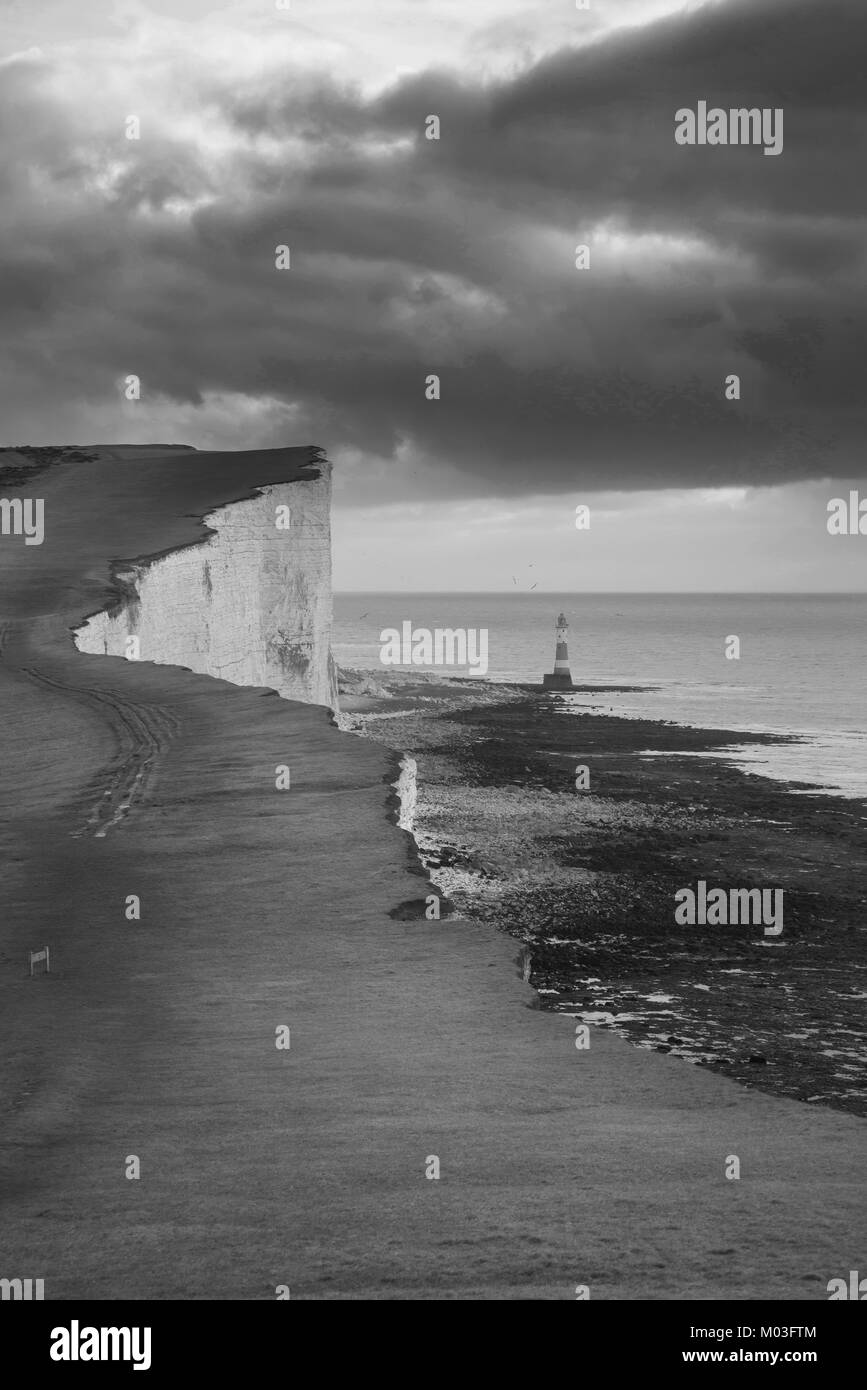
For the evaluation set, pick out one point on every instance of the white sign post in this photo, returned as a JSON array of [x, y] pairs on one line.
[[37, 956]]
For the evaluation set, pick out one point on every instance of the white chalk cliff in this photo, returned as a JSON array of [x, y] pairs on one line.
[[250, 604]]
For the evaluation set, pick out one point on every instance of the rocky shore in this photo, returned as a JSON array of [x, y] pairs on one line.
[[585, 878]]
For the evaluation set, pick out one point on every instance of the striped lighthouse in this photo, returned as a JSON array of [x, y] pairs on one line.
[[561, 678]]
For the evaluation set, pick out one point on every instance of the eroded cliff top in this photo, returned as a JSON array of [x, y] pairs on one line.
[[146, 510]]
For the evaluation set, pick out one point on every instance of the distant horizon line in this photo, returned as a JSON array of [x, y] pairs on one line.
[[616, 593]]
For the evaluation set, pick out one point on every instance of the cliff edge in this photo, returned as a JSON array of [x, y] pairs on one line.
[[251, 603]]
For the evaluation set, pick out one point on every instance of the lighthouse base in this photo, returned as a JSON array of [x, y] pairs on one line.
[[557, 680]]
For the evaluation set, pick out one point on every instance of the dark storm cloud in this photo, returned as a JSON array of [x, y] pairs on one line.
[[412, 257]]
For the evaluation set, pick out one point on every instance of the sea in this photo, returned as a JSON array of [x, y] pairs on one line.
[[801, 672]]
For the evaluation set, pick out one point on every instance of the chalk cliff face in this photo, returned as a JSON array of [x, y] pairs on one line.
[[406, 788], [251, 604]]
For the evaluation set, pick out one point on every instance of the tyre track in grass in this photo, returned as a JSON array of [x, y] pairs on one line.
[[142, 733]]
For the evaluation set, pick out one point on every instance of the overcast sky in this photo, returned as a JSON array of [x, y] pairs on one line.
[[262, 126]]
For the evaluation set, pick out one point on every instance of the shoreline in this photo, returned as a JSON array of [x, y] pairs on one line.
[[508, 841], [740, 738]]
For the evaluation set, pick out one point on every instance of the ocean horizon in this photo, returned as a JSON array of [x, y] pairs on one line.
[[801, 672]]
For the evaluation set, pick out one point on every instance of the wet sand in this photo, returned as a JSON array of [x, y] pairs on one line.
[[409, 1038]]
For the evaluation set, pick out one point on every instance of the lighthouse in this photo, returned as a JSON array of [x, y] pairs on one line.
[[561, 677]]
